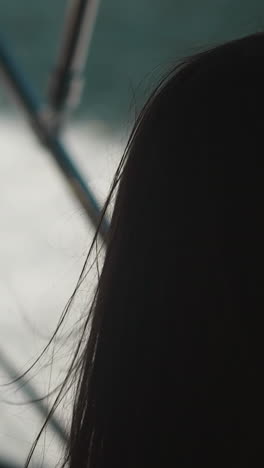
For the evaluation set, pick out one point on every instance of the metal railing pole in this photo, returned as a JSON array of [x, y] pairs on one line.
[[66, 82], [38, 116], [29, 390]]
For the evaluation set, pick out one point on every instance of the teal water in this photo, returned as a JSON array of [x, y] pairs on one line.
[[133, 43]]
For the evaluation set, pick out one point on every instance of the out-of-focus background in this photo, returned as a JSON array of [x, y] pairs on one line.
[[45, 233]]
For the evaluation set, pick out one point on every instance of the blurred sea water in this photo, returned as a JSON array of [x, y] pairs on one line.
[[133, 44]]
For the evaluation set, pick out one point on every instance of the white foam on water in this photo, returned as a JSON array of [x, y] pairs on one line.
[[45, 236]]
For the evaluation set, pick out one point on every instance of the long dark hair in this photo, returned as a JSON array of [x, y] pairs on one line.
[[170, 373]]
